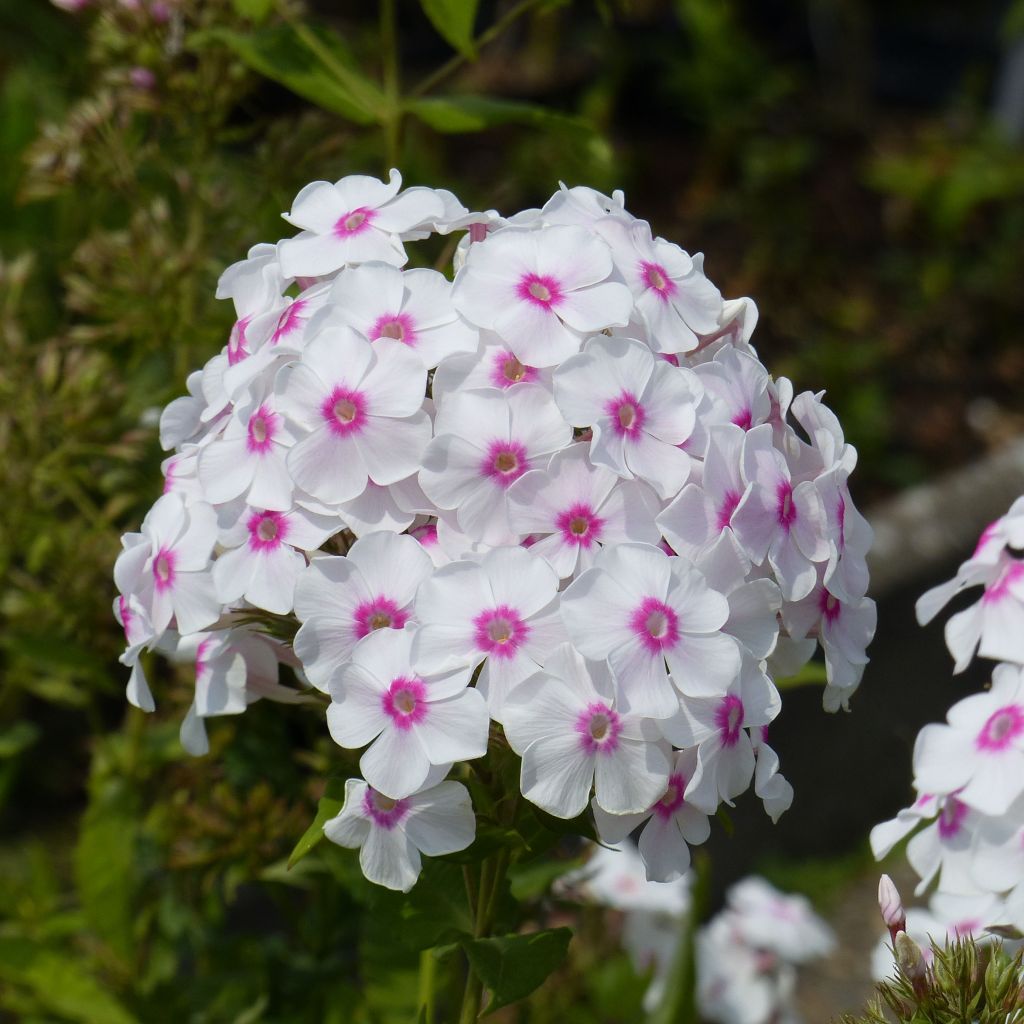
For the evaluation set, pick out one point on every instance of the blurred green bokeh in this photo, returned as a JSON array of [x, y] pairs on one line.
[[836, 159]]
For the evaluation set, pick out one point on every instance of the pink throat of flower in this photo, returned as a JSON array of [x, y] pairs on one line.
[[288, 321], [382, 810], [785, 509], [830, 606], [355, 222], [627, 414], [1004, 584], [405, 702], [598, 728], [163, 569], [729, 502], [505, 462], [426, 534], [580, 526], [397, 326], [267, 531], [202, 663], [261, 430], [541, 290], [344, 411], [507, 370], [743, 419], [127, 616], [237, 350], [500, 632], [655, 277], [1003, 729], [380, 613], [672, 799], [951, 818], [656, 624], [729, 719]]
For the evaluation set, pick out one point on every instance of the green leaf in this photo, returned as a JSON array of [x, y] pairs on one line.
[[812, 674], [329, 806], [254, 10], [456, 115], [60, 984], [532, 879], [512, 966], [20, 736], [314, 63], [454, 20]]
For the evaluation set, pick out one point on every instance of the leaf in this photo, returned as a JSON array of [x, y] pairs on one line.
[[328, 806], [314, 64], [533, 878], [456, 115], [812, 674], [512, 966], [254, 10], [454, 20], [18, 737]]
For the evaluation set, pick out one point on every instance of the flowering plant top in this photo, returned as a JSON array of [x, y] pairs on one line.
[[555, 504]]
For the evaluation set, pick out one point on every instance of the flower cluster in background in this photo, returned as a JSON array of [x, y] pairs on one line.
[[559, 494], [968, 818], [747, 955]]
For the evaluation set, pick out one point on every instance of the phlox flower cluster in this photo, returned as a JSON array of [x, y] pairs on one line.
[[967, 823], [555, 497], [746, 955]]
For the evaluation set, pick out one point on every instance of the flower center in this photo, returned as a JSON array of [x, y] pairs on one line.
[[355, 222], [237, 341], [656, 624], [656, 276], [785, 510], [344, 411], [540, 290], [729, 503], [830, 607], [999, 590], [1002, 728], [380, 613], [729, 719], [266, 530], [405, 702], [672, 798], [627, 414], [261, 430], [163, 569], [513, 370], [598, 728], [507, 370], [288, 320], [382, 810], [500, 632], [952, 817], [506, 462]]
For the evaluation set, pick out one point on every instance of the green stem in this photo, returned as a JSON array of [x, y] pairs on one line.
[[392, 87], [428, 978], [492, 875], [489, 35]]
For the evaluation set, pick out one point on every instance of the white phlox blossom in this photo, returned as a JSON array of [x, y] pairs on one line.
[[545, 506], [968, 818]]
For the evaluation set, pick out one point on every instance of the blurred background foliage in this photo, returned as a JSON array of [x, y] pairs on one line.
[[853, 165]]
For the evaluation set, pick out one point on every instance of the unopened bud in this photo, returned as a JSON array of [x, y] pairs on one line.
[[477, 232], [891, 906], [911, 962]]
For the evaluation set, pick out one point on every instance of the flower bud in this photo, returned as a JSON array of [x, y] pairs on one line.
[[911, 962], [891, 906]]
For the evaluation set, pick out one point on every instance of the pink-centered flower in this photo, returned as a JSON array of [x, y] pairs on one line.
[[341, 599], [541, 290], [485, 441], [641, 609], [355, 220], [139, 636], [673, 824], [565, 723], [411, 721], [413, 307], [391, 834], [640, 410], [360, 409], [492, 365], [573, 508], [501, 611]]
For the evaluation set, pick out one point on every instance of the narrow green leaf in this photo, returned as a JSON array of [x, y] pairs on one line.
[[454, 20], [322, 73], [512, 966], [458, 115], [329, 806]]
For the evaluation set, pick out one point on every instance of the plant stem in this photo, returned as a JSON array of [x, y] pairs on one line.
[[485, 37], [392, 88], [428, 977], [492, 874]]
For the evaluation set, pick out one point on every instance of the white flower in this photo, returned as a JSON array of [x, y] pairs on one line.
[[360, 407], [615, 877], [718, 726], [979, 755], [781, 923], [138, 635], [485, 442], [412, 306], [356, 219], [639, 407], [166, 566], [770, 785], [737, 388], [542, 290], [411, 721], [341, 599], [265, 555], [493, 365], [673, 824], [391, 834], [502, 611], [640, 608], [181, 420], [573, 508], [564, 723]]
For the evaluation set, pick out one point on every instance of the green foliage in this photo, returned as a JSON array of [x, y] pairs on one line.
[[454, 19], [966, 981]]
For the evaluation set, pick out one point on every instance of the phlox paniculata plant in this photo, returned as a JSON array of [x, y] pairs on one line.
[[553, 510], [966, 825]]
